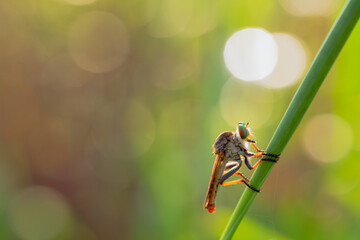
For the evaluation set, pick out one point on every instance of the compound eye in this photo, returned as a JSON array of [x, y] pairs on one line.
[[243, 131]]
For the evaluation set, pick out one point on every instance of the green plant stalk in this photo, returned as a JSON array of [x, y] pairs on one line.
[[298, 106]]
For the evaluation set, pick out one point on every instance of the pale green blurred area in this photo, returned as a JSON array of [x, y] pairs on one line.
[[116, 143]]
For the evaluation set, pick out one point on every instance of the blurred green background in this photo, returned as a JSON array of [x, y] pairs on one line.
[[109, 109]]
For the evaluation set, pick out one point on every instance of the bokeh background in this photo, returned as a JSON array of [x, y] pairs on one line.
[[108, 110]]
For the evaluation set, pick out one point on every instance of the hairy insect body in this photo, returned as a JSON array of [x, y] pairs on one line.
[[231, 145], [221, 141], [227, 147], [231, 149]]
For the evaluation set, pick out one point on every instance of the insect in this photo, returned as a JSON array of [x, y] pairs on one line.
[[231, 149]]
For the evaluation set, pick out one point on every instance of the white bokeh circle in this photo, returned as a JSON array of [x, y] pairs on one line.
[[291, 62], [251, 54]]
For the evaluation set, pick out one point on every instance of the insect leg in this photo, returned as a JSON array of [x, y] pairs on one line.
[[248, 164], [240, 181], [230, 165], [272, 155], [276, 156], [263, 153], [231, 172], [241, 175], [250, 154], [254, 145]]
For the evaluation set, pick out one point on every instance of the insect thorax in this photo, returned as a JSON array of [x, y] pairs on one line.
[[234, 149], [230, 145]]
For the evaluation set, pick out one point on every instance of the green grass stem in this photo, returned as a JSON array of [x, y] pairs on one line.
[[298, 106]]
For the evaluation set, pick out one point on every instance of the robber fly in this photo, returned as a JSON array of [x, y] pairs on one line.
[[231, 149]]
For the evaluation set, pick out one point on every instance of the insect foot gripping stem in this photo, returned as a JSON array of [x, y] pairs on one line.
[[276, 156], [252, 188]]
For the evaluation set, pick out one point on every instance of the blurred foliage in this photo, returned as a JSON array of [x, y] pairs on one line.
[[123, 150]]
